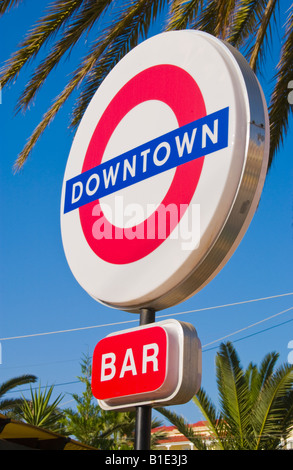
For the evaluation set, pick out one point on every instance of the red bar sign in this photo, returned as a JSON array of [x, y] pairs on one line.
[[130, 363], [151, 364]]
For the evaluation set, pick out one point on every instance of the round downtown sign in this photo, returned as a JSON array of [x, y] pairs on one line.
[[165, 172]]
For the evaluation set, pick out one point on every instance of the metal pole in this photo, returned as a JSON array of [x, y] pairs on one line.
[[144, 413]]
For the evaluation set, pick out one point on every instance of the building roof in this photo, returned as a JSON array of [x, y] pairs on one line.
[[167, 429], [174, 436], [16, 435]]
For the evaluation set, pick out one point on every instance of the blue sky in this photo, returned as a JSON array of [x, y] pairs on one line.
[[47, 321]]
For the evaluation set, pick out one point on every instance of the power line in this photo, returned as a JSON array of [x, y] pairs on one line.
[[65, 331], [44, 386], [207, 308], [230, 305], [250, 326], [133, 321], [256, 333], [215, 347], [219, 339]]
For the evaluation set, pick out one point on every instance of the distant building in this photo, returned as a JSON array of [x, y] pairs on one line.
[[177, 441], [289, 443]]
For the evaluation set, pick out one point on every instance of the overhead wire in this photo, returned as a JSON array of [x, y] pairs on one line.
[[133, 321], [192, 311], [219, 339], [250, 326], [254, 334], [229, 335]]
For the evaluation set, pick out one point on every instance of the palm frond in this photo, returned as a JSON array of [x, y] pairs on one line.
[[207, 20], [57, 17], [217, 17], [257, 377], [262, 33], [116, 41], [6, 5], [15, 382], [280, 108], [183, 13], [66, 21], [81, 23], [140, 12], [234, 394], [9, 405], [251, 375], [245, 21], [269, 409], [226, 11], [287, 420], [38, 411], [183, 427], [266, 368], [215, 422], [47, 118]]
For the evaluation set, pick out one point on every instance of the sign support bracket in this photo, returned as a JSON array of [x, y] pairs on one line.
[[144, 413]]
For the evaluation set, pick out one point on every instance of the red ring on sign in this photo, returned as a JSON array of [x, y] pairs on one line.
[[175, 87]]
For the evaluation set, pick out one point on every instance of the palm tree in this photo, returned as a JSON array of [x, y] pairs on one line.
[[246, 24], [9, 404], [256, 405], [39, 412]]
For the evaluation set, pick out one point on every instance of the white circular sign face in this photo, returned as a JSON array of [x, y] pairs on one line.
[[165, 172]]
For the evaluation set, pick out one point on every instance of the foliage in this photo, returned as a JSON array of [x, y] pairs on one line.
[[90, 424], [9, 404], [183, 427], [256, 405], [255, 409], [116, 27], [38, 411]]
